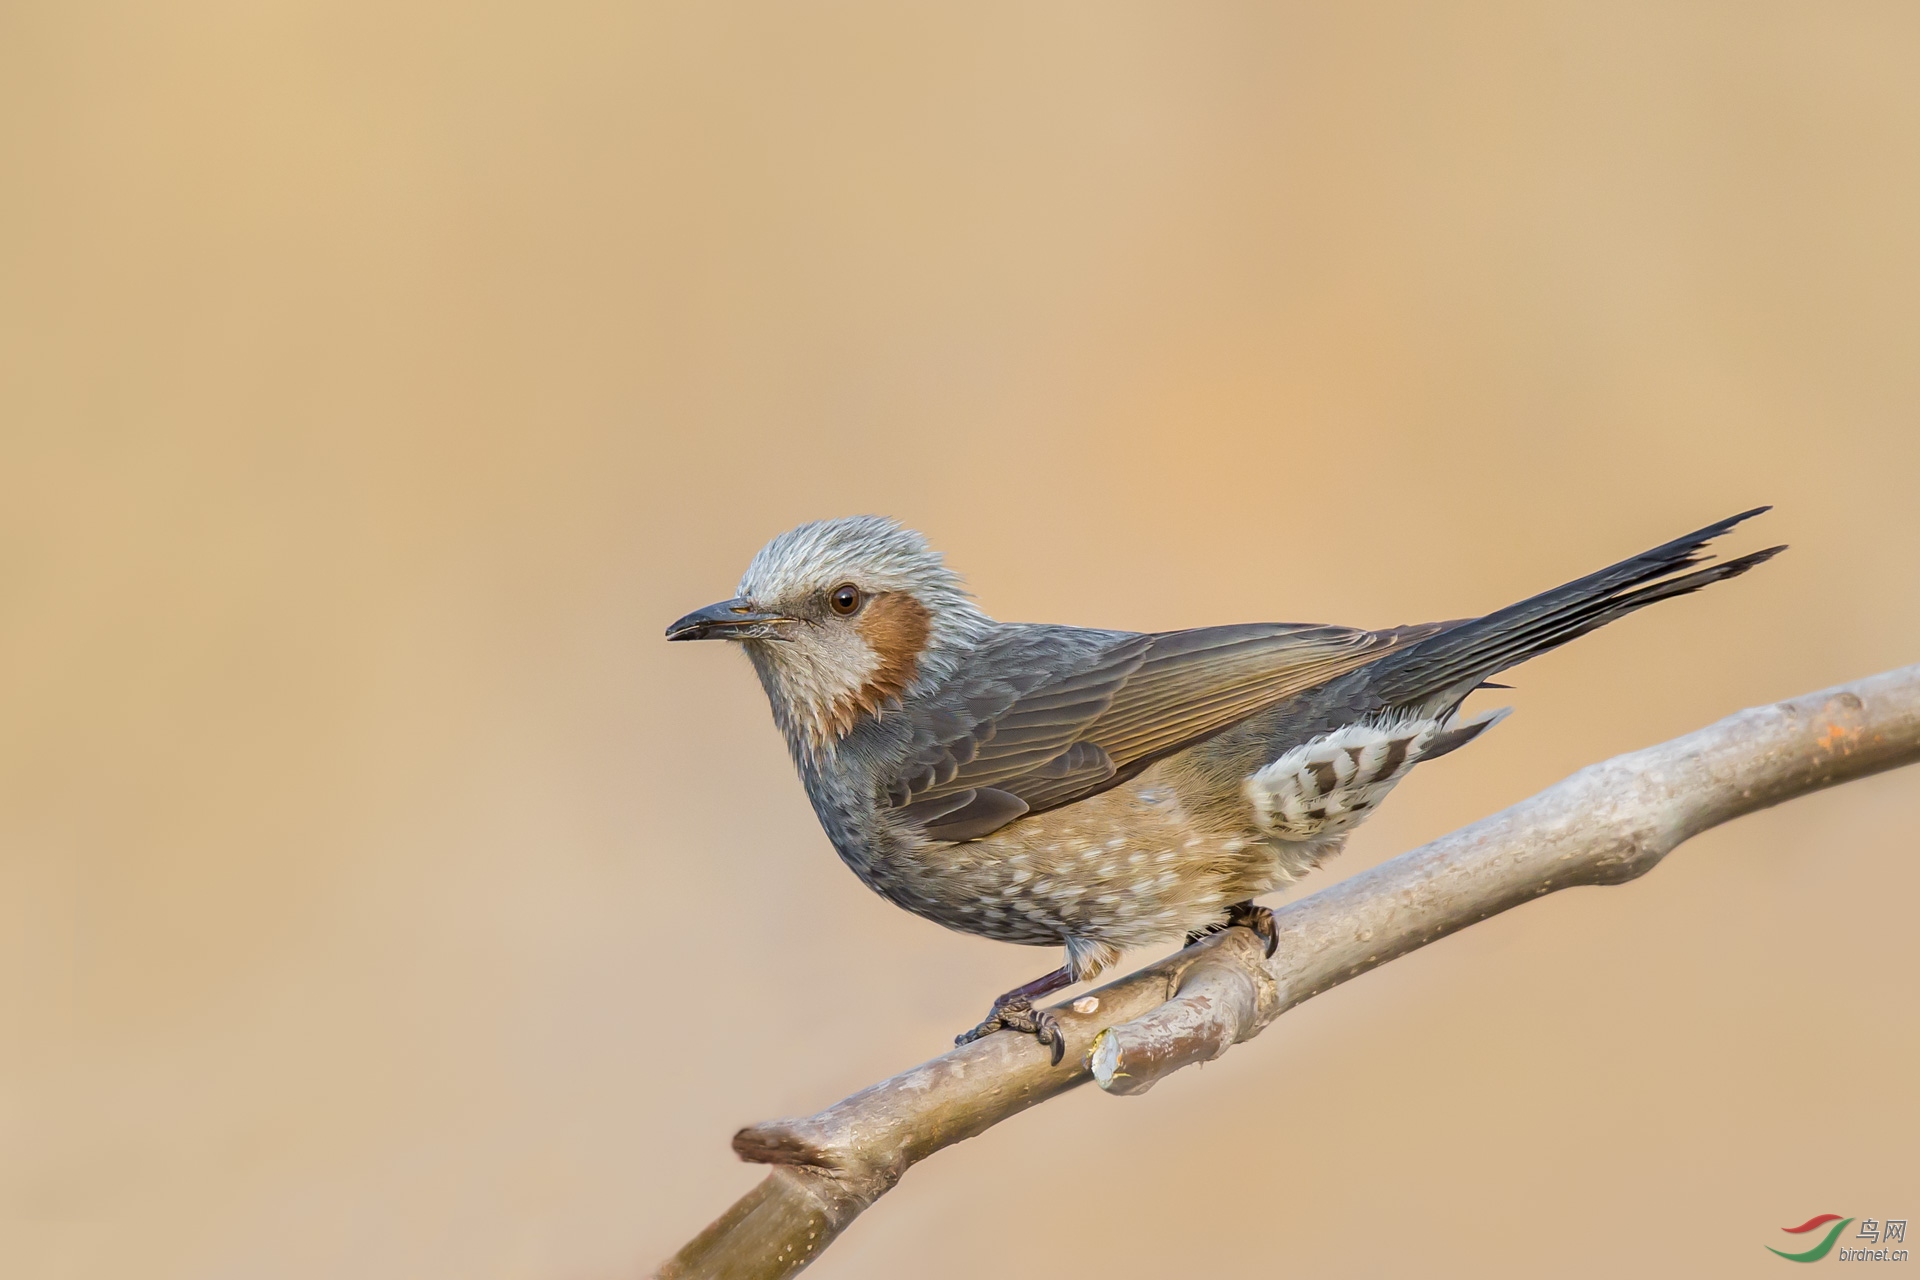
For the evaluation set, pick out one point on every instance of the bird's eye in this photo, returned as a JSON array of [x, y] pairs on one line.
[[845, 598]]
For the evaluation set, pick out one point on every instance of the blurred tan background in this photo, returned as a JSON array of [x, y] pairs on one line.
[[380, 896]]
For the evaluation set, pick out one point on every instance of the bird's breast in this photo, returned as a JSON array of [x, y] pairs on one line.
[[1131, 865]]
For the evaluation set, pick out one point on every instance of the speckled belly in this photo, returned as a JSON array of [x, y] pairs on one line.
[[1129, 867]]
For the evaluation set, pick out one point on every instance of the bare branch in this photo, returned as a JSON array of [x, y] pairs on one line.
[[1607, 824]]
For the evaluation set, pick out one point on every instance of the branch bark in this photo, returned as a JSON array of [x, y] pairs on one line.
[[1608, 824]]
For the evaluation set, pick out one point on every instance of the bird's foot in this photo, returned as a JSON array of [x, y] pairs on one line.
[[1252, 915], [1018, 1014], [1014, 1011], [1249, 915]]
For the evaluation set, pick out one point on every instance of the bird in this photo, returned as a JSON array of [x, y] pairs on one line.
[[1099, 790]]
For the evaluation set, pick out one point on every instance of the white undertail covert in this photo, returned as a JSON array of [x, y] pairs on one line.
[[1330, 785]]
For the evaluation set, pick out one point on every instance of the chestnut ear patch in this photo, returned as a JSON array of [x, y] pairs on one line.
[[895, 626]]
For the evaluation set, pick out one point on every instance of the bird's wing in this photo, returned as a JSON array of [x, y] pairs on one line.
[[1043, 716]]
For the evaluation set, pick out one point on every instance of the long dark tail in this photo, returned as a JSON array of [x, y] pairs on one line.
[[1446, 667]]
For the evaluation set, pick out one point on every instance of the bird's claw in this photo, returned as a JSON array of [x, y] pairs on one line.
[[1248, 915], [1260, 920], [1020, 1015]]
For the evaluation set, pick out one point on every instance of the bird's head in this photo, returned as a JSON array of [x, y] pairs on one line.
[[843, 618]]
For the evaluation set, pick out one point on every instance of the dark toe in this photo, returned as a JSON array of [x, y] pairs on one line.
[[993, 1023], [1260, 920], [1020, 1015], [1047, 1029]]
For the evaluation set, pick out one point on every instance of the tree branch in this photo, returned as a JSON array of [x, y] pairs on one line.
[[1608, 824]]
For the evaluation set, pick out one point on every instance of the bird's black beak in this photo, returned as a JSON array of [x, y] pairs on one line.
[[729, 620]]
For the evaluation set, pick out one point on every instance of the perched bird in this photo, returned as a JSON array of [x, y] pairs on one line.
[[1053, 785]]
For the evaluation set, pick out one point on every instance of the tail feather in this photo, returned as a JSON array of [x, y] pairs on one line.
[[1458, 734], [1454, 661]]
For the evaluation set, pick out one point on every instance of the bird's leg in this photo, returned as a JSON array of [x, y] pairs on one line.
[[1015, 1012], [1249, 914]]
